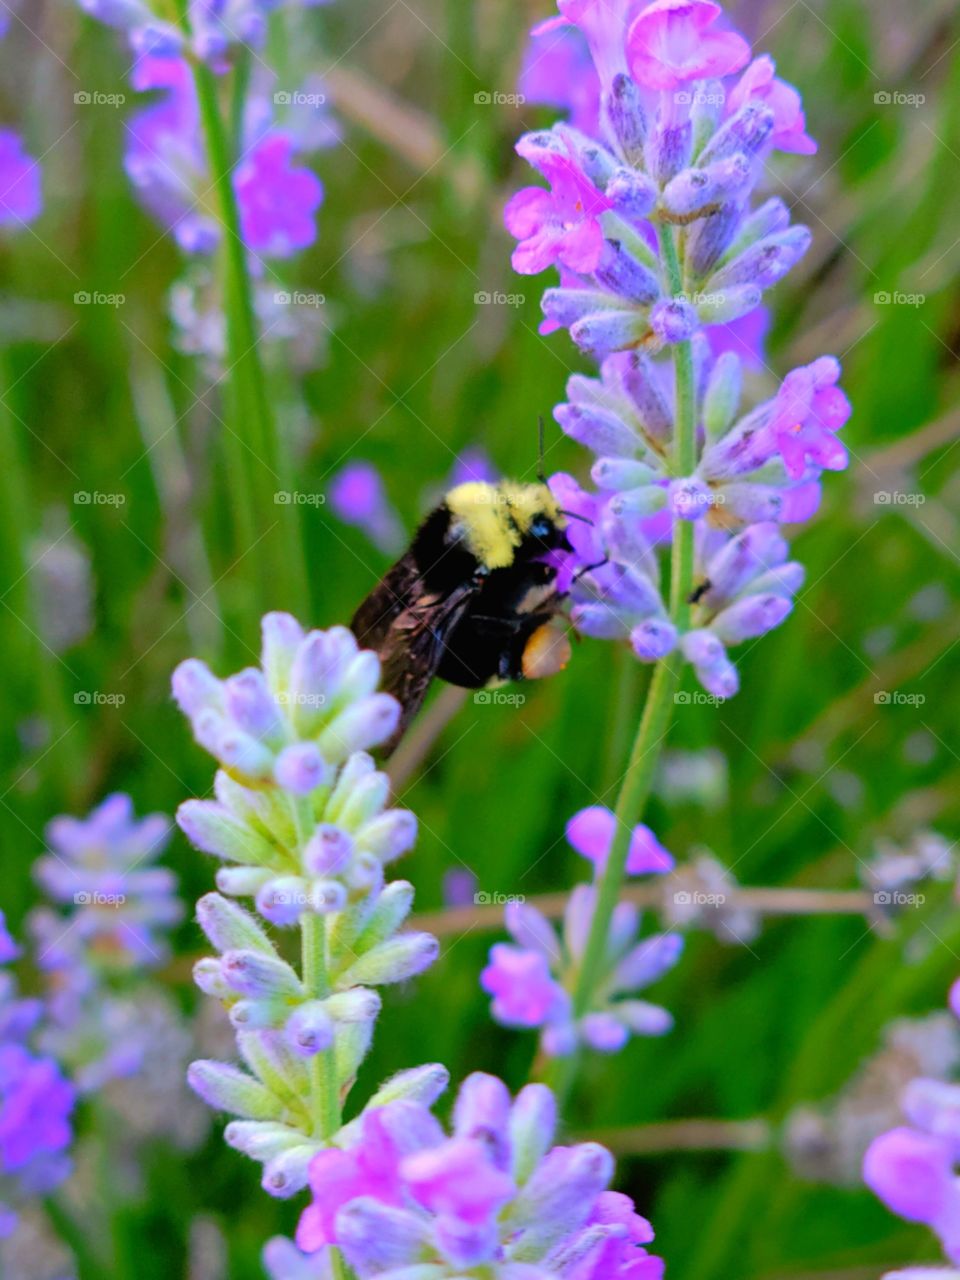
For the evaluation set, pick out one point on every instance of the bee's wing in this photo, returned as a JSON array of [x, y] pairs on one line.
[[396, 592], [408, 628], [412, 651]]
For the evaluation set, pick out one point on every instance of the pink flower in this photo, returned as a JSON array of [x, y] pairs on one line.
[[371, 1168], [591, 833], [277, 201], [524, 992], [808, 412], [604, 24], [670, 43], [458, 1179], [559, 226], [760, 83]]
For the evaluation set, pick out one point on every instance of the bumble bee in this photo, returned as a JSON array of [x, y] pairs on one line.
[[473, 599]]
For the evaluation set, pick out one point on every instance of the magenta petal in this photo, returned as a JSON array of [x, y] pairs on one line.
[[527, 211], [911, 1172], [647, 855], [590, 832], [458, 1179], [581, 248]]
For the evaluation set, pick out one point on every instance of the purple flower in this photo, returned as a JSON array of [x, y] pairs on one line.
[[358, 498], [745, 338], [21, 197], [591, 833], [36, 1101], [809, 410], [99, 866], [167, 164], [277, 200], [558, 71], [913, 1168], [672, 42], [524, 992], [562, 225], [530, 982], [494, 1196]]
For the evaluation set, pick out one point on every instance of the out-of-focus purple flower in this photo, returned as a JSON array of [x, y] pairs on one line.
[[459, 887], [672, 42], [558, 71], [494, 1195], [147, 33], [21, 195], [277, 200], [759, 83], [472, 465], [562, 225], [531, 981], [36, 1102], [217, 28], [167, 164], [591, 833], [913, 1168], [358, 497], [100, 867]]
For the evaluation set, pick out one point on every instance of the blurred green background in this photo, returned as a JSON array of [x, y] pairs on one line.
[[411, 372]]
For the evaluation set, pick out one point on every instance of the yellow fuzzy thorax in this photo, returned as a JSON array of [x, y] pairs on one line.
[[493, 519]]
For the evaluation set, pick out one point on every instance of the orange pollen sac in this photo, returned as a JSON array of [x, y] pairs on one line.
[[797, 428], [579, 206], [547, 651]]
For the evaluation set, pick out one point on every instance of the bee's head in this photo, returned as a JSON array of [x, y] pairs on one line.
[[494, 521]]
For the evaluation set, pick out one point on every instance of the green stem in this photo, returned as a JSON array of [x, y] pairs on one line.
[[250, 418], [657, 712]]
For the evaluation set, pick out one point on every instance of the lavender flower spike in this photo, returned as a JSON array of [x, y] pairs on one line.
[[530, 980]]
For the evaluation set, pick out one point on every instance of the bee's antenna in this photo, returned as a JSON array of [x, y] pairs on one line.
[[575, 515], [588, 568], [540, 472]]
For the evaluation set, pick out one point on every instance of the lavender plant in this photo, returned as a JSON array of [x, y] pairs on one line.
[[301, 821], [650, 218]]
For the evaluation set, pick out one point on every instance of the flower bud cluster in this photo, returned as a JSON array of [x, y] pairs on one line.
[[650, 220], [302, 824]]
